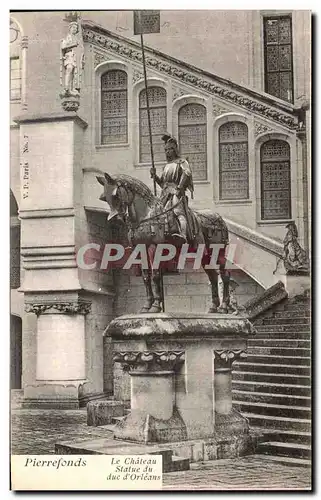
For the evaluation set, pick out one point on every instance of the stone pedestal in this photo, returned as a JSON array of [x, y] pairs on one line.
[[62, 352], [180, 374]]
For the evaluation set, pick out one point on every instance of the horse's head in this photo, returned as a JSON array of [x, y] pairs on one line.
[[116, 195]]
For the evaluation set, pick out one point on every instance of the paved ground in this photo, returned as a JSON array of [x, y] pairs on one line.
[[37, 431]]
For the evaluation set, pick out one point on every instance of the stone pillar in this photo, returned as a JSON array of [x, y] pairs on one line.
[[152, 378], [223, 379], [60, 362], [67, 364]]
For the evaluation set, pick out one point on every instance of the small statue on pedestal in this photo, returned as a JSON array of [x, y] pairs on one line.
[[295, 258], [72, 60]]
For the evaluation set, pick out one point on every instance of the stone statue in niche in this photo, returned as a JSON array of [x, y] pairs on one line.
[[72, 60], [295, 258]]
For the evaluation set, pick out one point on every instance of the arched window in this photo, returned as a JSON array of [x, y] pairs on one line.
[[233, 161], [158, 118], [192, 138], [15, 61], [275, 180], [114, 107]]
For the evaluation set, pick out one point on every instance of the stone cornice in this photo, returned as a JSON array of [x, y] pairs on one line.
[[151, 360], [62, 307], [262, 105], [50, 117], [265, 300]]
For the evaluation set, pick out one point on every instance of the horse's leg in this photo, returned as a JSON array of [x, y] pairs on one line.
[[225, 276], [157, 290], [213, 277], [156, 283], [147, 277]]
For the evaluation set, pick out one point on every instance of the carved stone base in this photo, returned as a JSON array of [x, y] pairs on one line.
[[231, 424], [144, 428], [70, 102]]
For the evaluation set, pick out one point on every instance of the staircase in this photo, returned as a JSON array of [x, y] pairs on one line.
[[272, 386]]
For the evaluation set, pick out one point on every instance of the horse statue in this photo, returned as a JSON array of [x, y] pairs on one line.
[[147, 221]]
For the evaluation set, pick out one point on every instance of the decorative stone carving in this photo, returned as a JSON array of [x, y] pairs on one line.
[[153, 361], [177, 92], [24, 42], [229, 355], [260, 128], [188, 77], [218, 110], [64, 307], [137, 75], [72, 60], [265, 300], [295, 258], [100, 57]]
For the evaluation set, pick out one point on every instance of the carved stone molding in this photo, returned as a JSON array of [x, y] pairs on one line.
[[265, 300], [218, 110], [137, 75], [187, 76], [152, 361], [227, 355], [100, 57], [260, 128], [24, 42], [69, 102], [177, 92], [63, 307]]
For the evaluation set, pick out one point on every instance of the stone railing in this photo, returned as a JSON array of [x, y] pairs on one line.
[[264, 301]]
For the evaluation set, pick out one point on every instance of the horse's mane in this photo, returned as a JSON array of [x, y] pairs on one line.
[[136, 186]]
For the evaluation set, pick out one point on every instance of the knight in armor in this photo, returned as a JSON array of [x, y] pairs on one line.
[[175, 179]]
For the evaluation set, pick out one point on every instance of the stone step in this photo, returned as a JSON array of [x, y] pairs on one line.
[[294, 313], [286, 321], [278, 359], [299, 331], [285, 436], [281, 352], [294, 450], [293, 462], [274, 422], [268, 387], [288, 343], [178, 464], [273, 368], [265, 397], [258, 377], [278, 410], [280, 333]]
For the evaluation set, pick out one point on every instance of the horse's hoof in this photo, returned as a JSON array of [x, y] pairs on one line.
[[155, 309], [145, 309], [212, 310], [222, 310]]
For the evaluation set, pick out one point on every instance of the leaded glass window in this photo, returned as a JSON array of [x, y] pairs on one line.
[[158, 118], [15, 79], [275, 180], [192, 138], [233, 161], [278, 57], [114, 107]]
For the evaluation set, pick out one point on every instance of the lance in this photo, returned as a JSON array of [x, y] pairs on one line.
[[148, 21]]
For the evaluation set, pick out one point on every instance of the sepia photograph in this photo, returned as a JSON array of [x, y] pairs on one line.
[[160, 250]]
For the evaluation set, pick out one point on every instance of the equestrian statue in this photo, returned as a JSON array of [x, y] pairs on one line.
[[153, 220]]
